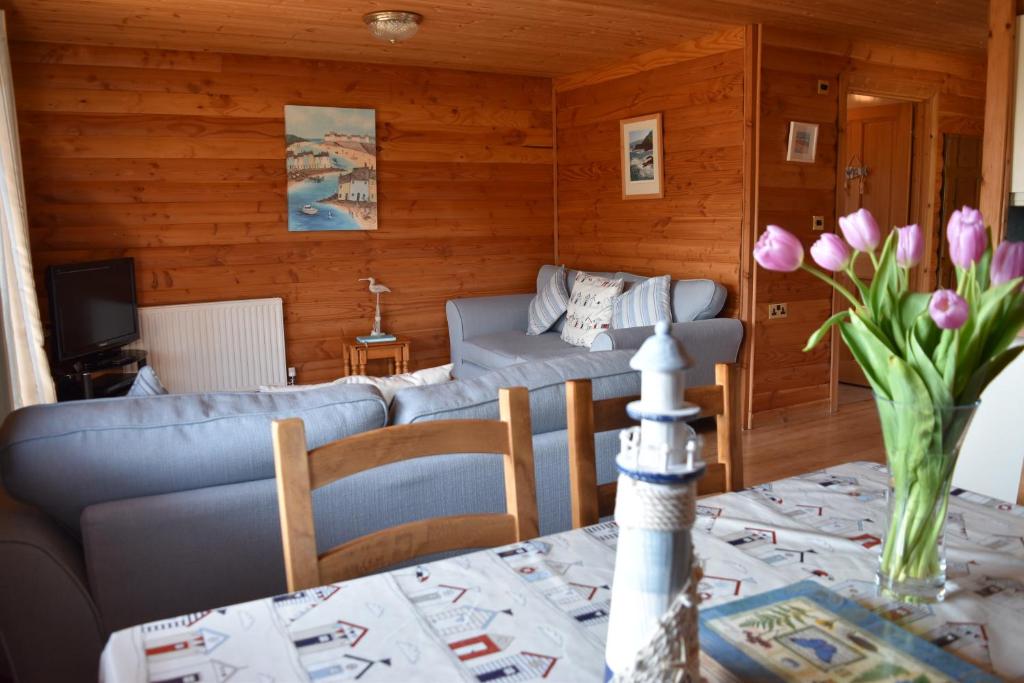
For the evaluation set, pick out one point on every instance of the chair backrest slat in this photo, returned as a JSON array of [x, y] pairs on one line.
[[710, 398], [585, 417], [299, 472], [520, 487], [380, 447], [611, 414], [580, 431], [1020, 487], [374, 552]]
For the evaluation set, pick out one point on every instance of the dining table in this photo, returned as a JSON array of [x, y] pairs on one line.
[[538, 610]]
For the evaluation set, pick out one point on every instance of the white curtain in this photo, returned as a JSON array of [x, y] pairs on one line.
[[24, 371]]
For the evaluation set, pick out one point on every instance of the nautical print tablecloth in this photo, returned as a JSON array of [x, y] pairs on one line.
[[538, 611]]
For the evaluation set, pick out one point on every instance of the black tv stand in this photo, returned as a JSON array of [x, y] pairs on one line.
[[90, 377]]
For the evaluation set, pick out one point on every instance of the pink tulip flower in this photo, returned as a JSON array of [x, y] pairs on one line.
[[861, 230], [1007, 262], [967, 238], [778, 250], [830, 252], [909, 245], [948, 310]]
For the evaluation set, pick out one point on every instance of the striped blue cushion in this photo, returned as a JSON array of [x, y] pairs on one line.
[[146, 383], [644, 304], [549, 304]]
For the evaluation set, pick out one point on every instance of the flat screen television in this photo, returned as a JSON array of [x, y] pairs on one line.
[[92, 307]]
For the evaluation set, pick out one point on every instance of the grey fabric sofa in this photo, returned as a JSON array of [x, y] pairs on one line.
[[133, 509], [488, 333]]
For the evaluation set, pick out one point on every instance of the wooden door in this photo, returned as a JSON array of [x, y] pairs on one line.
[[961, 185], [879, 139]]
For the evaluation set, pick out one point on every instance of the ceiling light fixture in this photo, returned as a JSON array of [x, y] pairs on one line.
[[393, 26]]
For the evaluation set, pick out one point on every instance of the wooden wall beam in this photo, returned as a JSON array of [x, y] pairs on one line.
[[749, 222], [997, 143]]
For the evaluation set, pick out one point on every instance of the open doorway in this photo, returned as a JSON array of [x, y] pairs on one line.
[[875, 172], [961, 185]]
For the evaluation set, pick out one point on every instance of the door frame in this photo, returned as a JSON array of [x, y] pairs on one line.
[[924, 194]]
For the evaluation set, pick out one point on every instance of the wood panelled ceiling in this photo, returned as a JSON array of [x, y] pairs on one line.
[[536, 37]]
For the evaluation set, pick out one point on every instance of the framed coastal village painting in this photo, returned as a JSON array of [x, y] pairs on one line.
[[803, 142], [332, 168], [643, 172]]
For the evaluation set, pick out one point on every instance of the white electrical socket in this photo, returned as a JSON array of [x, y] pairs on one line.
[[291, 375], [777, 311]]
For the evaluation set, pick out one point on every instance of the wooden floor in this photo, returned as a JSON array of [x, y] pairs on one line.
[[779, 451], [783, 450]]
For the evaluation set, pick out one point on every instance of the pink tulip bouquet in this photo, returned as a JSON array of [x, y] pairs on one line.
[[927, 355]]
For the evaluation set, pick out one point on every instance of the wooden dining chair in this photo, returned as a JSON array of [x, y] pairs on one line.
[[1020, 487], [299, 472], [585, 417]]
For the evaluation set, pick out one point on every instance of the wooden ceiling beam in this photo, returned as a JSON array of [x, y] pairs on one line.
[[551, 38]]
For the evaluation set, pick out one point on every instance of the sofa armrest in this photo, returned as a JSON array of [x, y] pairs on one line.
[[468, 318], [45, 593], [716, 340]]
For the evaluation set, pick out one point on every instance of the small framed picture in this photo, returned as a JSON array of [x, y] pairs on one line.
[[803, 142], [643, 172]]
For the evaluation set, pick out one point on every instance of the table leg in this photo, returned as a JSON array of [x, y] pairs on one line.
[[405, 358]]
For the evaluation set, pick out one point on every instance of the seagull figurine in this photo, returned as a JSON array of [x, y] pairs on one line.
[[376, 289]]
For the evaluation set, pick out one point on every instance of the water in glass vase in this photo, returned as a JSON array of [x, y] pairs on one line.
[[922, 443]]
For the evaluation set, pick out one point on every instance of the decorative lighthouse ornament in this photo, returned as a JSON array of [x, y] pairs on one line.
[[653, 620]]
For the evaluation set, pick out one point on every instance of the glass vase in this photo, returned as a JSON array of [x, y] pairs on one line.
[[922, 443]]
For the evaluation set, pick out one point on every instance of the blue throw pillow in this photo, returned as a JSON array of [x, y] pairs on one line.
[[147, 383], [644, 304], [549, 304]]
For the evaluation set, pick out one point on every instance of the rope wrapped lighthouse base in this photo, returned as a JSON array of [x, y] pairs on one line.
[[654, 507]]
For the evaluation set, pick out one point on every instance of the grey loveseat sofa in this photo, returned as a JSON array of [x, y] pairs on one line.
[[133, 509], [488, 333]]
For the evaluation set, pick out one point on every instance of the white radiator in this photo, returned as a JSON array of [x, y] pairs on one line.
[[219, 346]]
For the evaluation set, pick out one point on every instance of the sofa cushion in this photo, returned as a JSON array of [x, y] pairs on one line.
[[64, 457], [147, 383], [696, 300], [549, 304], [502, 349], [646, 303], [477, 398], [590, 308], [544, 274], [386, 385], [691, 299]]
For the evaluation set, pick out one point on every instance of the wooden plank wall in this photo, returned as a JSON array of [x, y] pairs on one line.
[[694, 231], [177, 159], [787, 381]]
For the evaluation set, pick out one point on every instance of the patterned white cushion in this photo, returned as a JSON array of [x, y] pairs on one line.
[[644, 304], [590, 308], [549, 304], [146, 383]]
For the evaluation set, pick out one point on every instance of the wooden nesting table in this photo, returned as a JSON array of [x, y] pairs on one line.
[[357, 355]]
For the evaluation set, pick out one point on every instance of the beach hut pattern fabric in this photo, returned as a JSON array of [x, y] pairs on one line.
[[590, 308], [538, 610]]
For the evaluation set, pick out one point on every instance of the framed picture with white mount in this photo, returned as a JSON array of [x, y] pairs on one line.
[[643, 164], [803, 142]]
